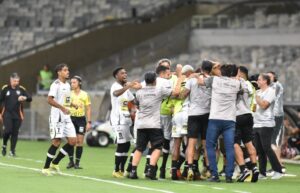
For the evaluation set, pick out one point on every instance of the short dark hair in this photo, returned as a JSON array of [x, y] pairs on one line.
[[160, 69], [207, 66], [254, 77], [229, 70], [244, 70], [266, 77], [116, 71], [150, 77], [14, 75], [274, 74], [59, 67]]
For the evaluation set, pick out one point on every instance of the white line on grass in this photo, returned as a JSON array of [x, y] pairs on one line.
[[90, 178], [217, 188], [28, 159], [238, 191]]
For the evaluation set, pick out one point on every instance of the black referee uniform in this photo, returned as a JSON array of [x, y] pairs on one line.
[[12, 114]]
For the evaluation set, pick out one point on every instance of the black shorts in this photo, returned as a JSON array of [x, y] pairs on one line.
[[155, 136], [197, 126], [79, 124], [243, 129]]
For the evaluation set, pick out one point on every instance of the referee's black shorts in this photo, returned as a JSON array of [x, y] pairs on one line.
[[79, 124], [243, 129], [155, 136]]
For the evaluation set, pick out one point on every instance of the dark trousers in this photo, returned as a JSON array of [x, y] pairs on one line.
[[262, 141], [11, 130]]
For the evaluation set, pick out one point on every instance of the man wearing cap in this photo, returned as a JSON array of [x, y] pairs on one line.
[[11, 105]]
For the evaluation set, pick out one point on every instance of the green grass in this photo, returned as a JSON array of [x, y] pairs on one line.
[[98, 164]]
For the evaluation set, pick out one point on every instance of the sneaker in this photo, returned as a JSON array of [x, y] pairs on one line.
[[214, 179], [190, 175], [229, 180], [46, 172], [245, 174], [12, 154], [276, 176], [126, 174], [249, 178], [76, 166], [255, 175], [283, 169], [270, 172], [133, 175], [162, 174], [3, 151], [184, 173], [117, 174], [151, 176], [70, 165], [55, 168], [262, 177]]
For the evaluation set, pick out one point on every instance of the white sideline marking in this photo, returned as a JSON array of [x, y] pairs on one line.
[[28, 159], [198, 185], [178, 182], [238, 191], [289, 175], [89, 178], [218, 188]]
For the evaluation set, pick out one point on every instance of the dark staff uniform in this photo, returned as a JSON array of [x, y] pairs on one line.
[[12, 113]]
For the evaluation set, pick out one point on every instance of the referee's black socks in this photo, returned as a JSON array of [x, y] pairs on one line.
[[79, 150]]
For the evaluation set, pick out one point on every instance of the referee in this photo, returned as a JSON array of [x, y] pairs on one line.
[[81, 118], [11, 104]]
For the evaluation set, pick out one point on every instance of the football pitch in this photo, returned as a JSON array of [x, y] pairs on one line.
[[23, 175]]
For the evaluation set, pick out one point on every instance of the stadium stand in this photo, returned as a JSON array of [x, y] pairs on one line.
[[27, 23]]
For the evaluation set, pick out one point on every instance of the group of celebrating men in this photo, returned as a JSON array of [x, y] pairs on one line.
[[205, 111]]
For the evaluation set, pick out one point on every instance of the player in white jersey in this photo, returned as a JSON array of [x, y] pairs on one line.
[[59, 120], [244, 128], [120, 118], [179, 122]]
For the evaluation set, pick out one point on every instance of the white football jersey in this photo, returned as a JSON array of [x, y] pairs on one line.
[[61, 92]]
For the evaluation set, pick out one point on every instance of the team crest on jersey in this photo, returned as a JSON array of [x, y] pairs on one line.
[[8, 93], [18, 92]]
